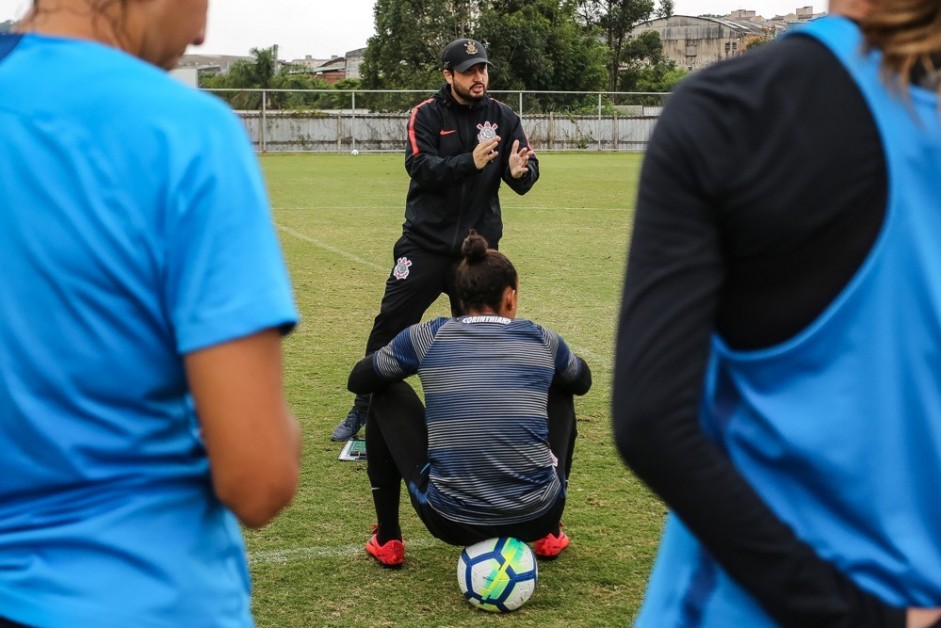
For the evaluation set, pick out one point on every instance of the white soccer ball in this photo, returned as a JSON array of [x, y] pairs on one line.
[[497, 575], [354, 152]]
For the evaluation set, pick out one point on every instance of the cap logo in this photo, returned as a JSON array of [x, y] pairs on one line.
[[487, 131], [401, 268], [470, 48]]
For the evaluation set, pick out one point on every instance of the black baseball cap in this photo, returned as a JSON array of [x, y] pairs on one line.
[[462, 54]]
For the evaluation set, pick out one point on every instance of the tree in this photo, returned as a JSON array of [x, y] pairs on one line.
[[405, 52], [647, 69], [616, 20], [341, 98], [756, 41], [665, 9], [533, 44], [410, 34], [538, 45], [263, 73]]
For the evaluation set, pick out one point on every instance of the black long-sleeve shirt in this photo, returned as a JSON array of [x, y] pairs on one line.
[[447, 194], [762, 191]]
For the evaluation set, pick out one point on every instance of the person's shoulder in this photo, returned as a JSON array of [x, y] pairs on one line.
[[546, 336], [86, 91], [733, 93], [432, 326], [526, 326], [191, 116], [784, 59], [157, 92], [428, 107], [429, 103], [523, 322], [441, 98], [113, 83], [499, 105]]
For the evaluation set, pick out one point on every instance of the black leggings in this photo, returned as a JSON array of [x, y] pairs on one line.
[[397, 449]]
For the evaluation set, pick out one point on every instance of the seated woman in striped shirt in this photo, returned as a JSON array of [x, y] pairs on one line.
[[490, 453]]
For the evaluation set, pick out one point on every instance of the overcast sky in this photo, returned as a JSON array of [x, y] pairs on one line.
[[325, 29]]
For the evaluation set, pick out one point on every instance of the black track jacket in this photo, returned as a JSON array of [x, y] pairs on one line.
[[448, 195]]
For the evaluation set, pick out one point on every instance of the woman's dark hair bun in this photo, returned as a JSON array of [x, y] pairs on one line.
[[482, 276], [474, 248]]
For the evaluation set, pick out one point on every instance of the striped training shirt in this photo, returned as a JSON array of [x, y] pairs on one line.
[[486, 381]]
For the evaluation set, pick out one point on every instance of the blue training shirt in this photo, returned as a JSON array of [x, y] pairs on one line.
[[486, 381], [134, 228], [839, 428]]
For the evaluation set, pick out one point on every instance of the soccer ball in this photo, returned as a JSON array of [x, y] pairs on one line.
[[354, 152], [497, 575]]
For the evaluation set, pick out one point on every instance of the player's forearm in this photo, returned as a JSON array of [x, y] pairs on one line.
[[580, 383], [257, 493], [434, 172], [364, 379], [252, 439]]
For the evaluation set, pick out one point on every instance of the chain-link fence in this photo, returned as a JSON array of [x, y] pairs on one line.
[[374, 120]]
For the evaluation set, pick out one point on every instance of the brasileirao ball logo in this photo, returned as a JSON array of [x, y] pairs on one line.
[[497, 575]]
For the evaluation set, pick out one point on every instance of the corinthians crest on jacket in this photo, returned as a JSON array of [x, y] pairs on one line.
[[487, 131]]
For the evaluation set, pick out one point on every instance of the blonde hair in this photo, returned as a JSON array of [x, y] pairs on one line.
[[908, 32]]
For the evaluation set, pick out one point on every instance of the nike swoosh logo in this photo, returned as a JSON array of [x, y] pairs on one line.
[[443, 132]]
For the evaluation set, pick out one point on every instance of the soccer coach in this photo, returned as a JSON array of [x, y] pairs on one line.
[[461, 144]]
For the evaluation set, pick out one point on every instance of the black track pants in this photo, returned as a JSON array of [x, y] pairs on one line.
[[417, 280]]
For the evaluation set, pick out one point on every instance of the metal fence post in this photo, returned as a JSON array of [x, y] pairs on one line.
[[550, 132], [600, 138], [264, 120], [353, 120], [614, 131]]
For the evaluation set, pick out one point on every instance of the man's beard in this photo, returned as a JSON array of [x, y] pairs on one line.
[[466, 95]]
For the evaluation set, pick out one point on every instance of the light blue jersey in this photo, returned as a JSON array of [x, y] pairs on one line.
[[486, 381], [134, 228], [839, 428]]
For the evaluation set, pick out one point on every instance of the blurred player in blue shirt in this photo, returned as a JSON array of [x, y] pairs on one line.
[[142, 303]]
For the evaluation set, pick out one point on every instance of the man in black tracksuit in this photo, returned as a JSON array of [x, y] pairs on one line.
[[461, 145]]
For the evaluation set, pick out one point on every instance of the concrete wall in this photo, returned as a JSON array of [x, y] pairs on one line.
[[695, 42], [318, 132], [189, 76]]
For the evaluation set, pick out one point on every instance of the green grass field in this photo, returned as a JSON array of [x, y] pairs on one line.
[[337, 217]]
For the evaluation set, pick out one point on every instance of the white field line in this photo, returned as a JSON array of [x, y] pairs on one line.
[[332, 249], [297, 554]]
